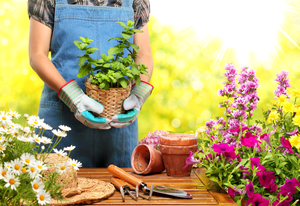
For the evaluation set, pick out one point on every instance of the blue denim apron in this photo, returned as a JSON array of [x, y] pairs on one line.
[[94, 147]]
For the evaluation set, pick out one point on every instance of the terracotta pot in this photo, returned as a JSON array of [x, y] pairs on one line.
[[175, 148], [146, 160]]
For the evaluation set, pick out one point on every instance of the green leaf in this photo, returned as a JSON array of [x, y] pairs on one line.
[[134, 69], [102, 85], [123, 25], [115, 50], [118, 75], [82, 39], [123, 82], [82, 60], [294, 161], [130, 23], [84, 70], [278, 171], [135, 47], [126, 36], [78, 44], [91, 50], [137, 31], [137, 80]]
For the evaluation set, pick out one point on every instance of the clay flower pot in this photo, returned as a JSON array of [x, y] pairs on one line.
[[146, 160], [175, 148]]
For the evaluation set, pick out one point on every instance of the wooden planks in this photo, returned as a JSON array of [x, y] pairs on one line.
[[201, 196]]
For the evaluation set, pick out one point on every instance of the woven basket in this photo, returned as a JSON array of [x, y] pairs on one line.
[[111, 99]]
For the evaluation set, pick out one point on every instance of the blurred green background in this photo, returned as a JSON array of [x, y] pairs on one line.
[[187, 68]]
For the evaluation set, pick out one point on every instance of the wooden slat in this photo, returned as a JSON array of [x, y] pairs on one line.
[[201, 196]]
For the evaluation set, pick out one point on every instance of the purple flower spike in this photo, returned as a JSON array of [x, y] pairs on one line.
[[290, 186], [250, 189], [266, 137], [222, 148], [292, 133], [258, 200], [190, 160]]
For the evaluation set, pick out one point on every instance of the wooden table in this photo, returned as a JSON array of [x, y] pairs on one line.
[[192, 184]]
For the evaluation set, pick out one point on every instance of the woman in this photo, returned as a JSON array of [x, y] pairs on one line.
[[55, 25]]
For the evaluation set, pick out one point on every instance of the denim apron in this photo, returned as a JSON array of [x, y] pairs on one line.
[[94, 147]]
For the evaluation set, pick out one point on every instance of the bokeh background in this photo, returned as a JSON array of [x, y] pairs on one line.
[[191, 42]]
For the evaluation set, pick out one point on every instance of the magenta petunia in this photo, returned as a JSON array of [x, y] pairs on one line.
[[266, 178], [250, 189], [292, 133], [285, 194], [260, 170], [258, 200], [222, 148], [290, 186], [283, 203], [273, 187], [255, 162], [190, 160], [250, 142], [232, 192], [286, 145], [266, 137]]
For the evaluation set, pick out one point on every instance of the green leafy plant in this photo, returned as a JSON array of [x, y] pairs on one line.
[[112, 70]]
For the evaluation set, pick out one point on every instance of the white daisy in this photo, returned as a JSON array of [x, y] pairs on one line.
[[59, 133], [11, 181], [27, 158], [43, 197], [37, 185], [17, 165], [8, 165], [75, 164], [3, 172], [35, 121], [40, 165], [25, 139], [24, 170], [2, 139], [64, 128], [37, 139], [60, 152], [14, 114], [8, 130], [62, 167], [45, 140], [46, 126], [26, 130], [33, 171], [2, 148], [70, 148], [4, 117]]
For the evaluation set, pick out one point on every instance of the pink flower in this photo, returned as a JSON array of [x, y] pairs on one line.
[[258, 200], [292, 133], [286, 144], [190, 160], [222, 148], [290, 186], [232, 192], [266, 178], [250, 189], [273, 187], [255, 162], [266, 137], [250, 142]]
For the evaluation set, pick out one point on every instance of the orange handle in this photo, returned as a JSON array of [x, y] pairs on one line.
[[118, 183], [118, 172]]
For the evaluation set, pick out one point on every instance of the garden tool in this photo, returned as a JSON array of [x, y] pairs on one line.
[[121, 185], [162, 190]]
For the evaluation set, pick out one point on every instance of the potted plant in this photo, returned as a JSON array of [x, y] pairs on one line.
[[109, 77]]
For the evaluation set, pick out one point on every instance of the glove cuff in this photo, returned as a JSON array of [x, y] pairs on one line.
[[69, 93], [143, 91]]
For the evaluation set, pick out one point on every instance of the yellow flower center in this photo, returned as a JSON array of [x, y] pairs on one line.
[[8, 131], [3, 173], [3, 118], [35, 122], [40, 167], [16, 134], [42, 197], [36, 139], [35, 186], [27, 161], [1, 148], [23, 170], [63, 167], [17, 167], [32, 169], [11, 181]]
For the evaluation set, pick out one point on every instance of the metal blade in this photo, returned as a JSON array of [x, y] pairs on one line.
[[163, 190]]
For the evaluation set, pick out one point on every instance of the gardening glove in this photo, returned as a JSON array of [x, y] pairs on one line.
[[132, 105], [82, 106]]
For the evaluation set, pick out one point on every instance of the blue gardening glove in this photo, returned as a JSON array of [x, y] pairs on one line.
[[132, 105], [82, 106]]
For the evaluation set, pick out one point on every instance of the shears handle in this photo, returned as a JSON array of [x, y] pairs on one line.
[[118, 172]]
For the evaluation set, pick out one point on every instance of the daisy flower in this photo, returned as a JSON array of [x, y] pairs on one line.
[[64, 128], [33, 171], [3, 172], [26, 130], [37, 139], [70, 148], [281, 99], [62, 167], [17, 165], [60, 152], [2, 138], [295, 140], [25, 139], [14, 114], [11, 181], [273, 116], [27, 158], [4, 117], [288, 107], [46, 126], [59, 133], [35, 121], [45, 140], [75, 164], [37, 185], [43, 197], [40, 165], [296, 93], [8, 165], [2, 148]]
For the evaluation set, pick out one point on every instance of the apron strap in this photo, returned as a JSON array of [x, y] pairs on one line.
[[127, 3], [61, 1]]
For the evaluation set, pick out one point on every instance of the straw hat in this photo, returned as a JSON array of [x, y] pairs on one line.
[[77, 189]]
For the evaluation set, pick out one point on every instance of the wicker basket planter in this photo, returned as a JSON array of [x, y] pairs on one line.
[[112, 99]]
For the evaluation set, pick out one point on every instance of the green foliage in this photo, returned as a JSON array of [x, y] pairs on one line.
[[112, 70]]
